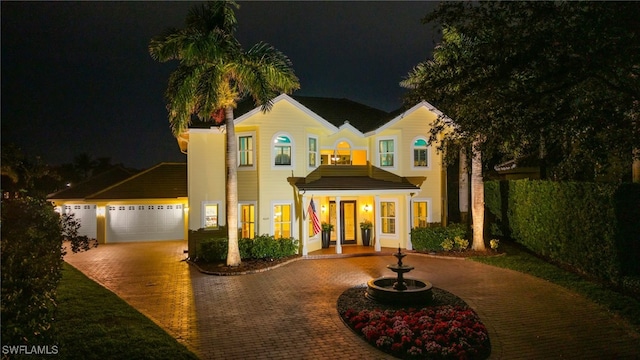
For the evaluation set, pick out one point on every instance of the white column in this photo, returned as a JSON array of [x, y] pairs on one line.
[[305, 227], [409, 220], [378, 221], [338, 232]]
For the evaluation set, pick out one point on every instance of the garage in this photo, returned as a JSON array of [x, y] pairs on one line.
[[127, 206], [86, 215], [141, 222]]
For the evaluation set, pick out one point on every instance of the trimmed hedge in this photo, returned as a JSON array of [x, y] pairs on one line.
[[431, 238], [593, 227], [262, 247]]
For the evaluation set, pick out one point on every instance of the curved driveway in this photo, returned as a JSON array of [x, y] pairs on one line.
[[290, 312]]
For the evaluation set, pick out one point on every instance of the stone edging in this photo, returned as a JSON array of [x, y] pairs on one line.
[[318, 257]]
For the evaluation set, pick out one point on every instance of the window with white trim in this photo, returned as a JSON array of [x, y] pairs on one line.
[[420, 214], [248, 220], [282, 220], [245, 151], [312, 149], [420, 153], [282, 151], [210, 215], [386, 149], [388, 217]]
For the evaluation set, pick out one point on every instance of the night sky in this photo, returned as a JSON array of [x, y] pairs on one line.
[[77, 77]]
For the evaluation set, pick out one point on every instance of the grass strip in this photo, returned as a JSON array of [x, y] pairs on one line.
[[94, 323], [520, 260]]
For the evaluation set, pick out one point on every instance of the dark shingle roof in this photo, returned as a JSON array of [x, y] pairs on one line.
[[355, 177], [165, 180], [335, 111], [94, 184]]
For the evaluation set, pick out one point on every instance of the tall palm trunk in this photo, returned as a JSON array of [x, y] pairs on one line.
[[233, 254], [477, 197], [463, 186]]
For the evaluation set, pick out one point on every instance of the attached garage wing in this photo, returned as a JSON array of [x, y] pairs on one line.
[[140, 222]]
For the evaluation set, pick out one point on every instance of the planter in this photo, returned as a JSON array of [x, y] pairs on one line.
[[326, 237], [366, 236]]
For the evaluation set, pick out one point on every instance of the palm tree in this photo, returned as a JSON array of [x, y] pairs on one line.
[[215, 73]]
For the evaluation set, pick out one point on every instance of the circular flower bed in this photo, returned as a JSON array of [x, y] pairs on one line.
[[447, 329]]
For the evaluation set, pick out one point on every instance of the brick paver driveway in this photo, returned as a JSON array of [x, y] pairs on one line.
[[290, 312]]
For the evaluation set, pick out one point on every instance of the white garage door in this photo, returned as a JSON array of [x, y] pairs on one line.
[[144, 223], [86, 215]]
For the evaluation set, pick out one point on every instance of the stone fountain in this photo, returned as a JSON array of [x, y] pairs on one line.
[[398, 290]]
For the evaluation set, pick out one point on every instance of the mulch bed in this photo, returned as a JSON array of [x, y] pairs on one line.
[[247, 265]]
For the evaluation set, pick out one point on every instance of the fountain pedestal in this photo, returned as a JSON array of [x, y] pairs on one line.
[[399, 290]]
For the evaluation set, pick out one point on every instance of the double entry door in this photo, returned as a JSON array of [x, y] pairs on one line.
[[347, 221]]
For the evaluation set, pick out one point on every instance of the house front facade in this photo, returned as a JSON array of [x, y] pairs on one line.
[[355, 164]]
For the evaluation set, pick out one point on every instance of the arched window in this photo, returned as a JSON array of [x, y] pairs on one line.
[[342, 154], [282, 150], [420, 153]]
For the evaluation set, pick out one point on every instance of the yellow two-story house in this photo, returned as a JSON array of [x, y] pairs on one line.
[[354, 162]]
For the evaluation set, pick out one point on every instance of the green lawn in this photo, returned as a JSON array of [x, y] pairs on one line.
[[522, 261], [94, 323]]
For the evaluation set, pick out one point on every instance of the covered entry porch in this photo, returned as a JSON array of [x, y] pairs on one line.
[[346, 196]]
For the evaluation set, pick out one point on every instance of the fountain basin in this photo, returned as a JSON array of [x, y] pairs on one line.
[[417, 292]]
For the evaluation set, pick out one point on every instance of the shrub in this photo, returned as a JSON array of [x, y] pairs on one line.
[[31, 248], [431, 238], [447, 245], [262, 247], [213, 249], [460, 243], [265, 247]]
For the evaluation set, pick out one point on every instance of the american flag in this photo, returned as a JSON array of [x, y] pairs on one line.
[[314, 217]]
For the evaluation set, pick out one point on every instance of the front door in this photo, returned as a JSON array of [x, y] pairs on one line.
[[347, 221]]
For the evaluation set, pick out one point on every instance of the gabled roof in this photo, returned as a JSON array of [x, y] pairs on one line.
[[94, 184], [334, 111], [399, 114], [163, 181], [355, 177]]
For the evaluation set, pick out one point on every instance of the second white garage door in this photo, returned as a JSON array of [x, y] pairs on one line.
[[144, 223]]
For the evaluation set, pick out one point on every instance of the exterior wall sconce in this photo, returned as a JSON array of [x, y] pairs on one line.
[[100, 211], [366, 208]]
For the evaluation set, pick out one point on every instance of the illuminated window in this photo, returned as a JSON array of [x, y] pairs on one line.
[[248, 220], [245, 151], [420, 214], [387, 152], [342, 155], [282, 221], [210, 216], [313, 152], [282, 150], [388, 217], [420, 153]]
